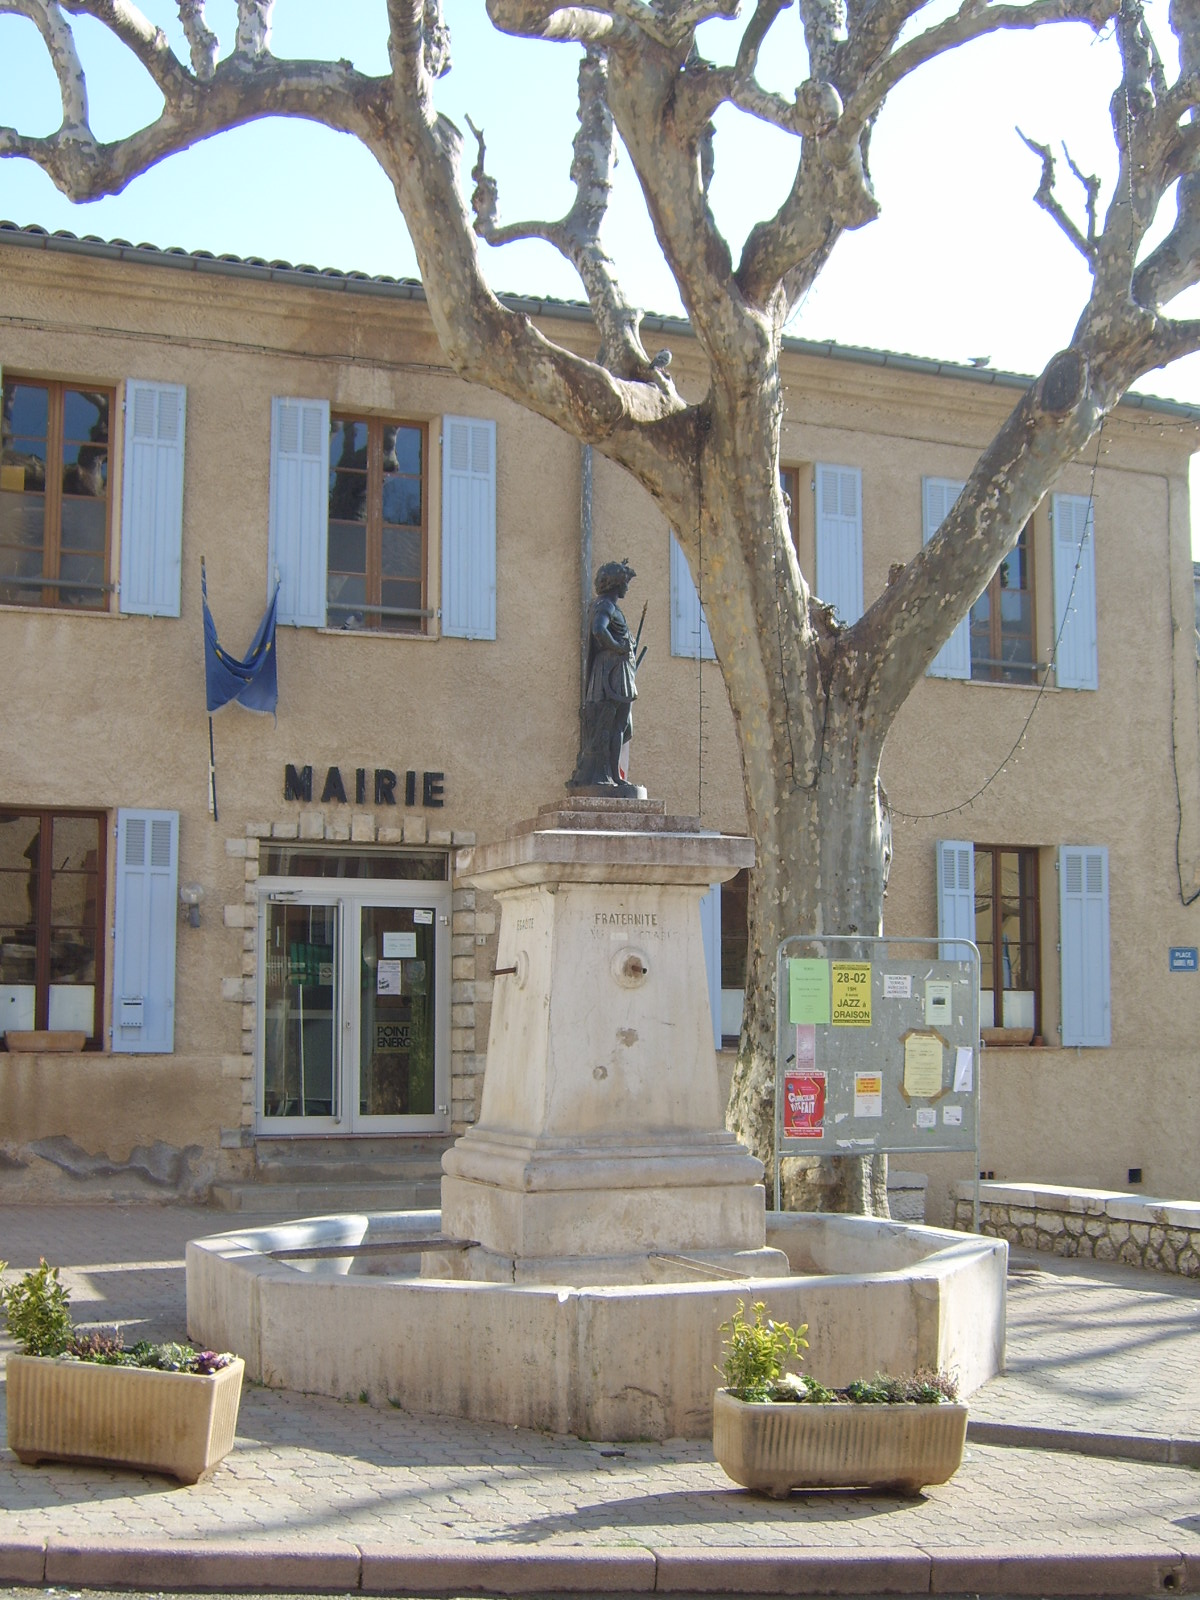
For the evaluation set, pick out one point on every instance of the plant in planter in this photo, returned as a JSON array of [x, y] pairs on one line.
[[775, 1431], [82, 1396]]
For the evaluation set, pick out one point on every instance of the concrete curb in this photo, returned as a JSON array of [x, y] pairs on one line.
[[1153, 1447], [512, 1569]]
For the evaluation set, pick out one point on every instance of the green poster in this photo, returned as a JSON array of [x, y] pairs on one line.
[[808, 990]]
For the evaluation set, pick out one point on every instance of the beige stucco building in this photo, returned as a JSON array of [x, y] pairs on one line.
[[323, 988]]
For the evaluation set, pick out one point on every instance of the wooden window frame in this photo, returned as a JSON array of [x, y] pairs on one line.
[[52, 497], [1030, 901], [373, 619], [993, 668], [42, 915]]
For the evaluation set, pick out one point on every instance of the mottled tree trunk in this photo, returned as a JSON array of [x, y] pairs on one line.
[[820, 870]]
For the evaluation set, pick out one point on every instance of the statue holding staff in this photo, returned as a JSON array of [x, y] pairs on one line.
[[606, 716]]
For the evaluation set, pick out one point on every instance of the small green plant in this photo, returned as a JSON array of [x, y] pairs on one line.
[[923, 1388], [105, 1346], [36, 1312], [756, 1352]]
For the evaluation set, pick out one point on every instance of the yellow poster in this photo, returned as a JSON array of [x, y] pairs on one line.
[[922, 1065], [852, 994]]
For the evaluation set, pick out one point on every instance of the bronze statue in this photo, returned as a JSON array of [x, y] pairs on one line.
[[606, 716]]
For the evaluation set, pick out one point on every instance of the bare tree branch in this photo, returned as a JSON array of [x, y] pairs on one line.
[[84, 169], [1048, 200], [1173, 339], [1175, 264], [147, 43], [975, 19], [629, 420], [832, 190], [202, 42], [577, 235], [542, 19], [825, 29], [254, 28], [60, 46]]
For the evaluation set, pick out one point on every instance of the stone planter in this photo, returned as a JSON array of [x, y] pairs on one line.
[[774, 1448], [180, 1423]]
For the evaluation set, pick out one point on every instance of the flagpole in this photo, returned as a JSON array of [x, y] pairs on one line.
[[212, 774], [212, 753]]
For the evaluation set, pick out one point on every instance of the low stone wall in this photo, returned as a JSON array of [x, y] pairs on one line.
[[603, 1362], [1163, 1235]]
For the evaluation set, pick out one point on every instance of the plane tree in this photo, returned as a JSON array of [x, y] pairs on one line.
[[812, 699]]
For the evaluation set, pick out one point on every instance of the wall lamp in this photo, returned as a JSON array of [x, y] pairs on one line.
[[190, 896]]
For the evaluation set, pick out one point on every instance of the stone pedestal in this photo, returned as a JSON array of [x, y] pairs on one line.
[[600, 1154]]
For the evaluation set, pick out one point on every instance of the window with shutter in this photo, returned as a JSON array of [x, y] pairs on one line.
[[298, 537], [152, 498], [956, 895], [55, 494], [1001, 620], [995, 642], [1006, 932], [938, 495], [468, 528], [143, 1003], [689, 625], [52, 877], [377, 562], [840, 540], [1083, 937], [1075, 656]]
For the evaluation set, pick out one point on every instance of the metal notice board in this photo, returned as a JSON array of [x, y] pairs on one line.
[[877, 1047]]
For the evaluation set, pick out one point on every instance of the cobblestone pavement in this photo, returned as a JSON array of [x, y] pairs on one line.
[[1101, 1350]]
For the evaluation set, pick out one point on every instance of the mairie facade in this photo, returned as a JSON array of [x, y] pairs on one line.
[[255, 933]]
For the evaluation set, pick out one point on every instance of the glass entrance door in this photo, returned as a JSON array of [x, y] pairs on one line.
[[354, 1008], [298, 1021], [397, 1029]]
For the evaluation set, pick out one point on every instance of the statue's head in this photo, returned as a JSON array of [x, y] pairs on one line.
[[614, 575]]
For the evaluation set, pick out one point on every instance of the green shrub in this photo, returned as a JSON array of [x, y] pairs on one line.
[[35, 1311], [757, 1351]]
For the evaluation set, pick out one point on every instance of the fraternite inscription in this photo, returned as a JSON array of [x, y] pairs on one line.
[[626, 919]]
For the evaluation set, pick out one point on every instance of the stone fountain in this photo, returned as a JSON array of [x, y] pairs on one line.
[[598, 1223]]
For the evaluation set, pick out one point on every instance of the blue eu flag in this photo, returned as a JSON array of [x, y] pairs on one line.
[[252, 682]]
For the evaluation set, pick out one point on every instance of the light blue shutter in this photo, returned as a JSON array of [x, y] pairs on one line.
[[839, 540], [710, 929], [298, 542], [1074, 592], [1083, 936], [953, 660], [689, 625], [152, 498], [143, 1003], [955, 896], [468, 528]]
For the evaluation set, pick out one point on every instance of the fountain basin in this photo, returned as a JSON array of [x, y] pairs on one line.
[[603, 1361]]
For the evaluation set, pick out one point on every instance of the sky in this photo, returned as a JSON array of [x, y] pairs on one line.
[[961, 264]]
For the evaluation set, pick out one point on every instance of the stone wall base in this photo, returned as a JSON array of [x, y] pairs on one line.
[[1133, 1230]]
